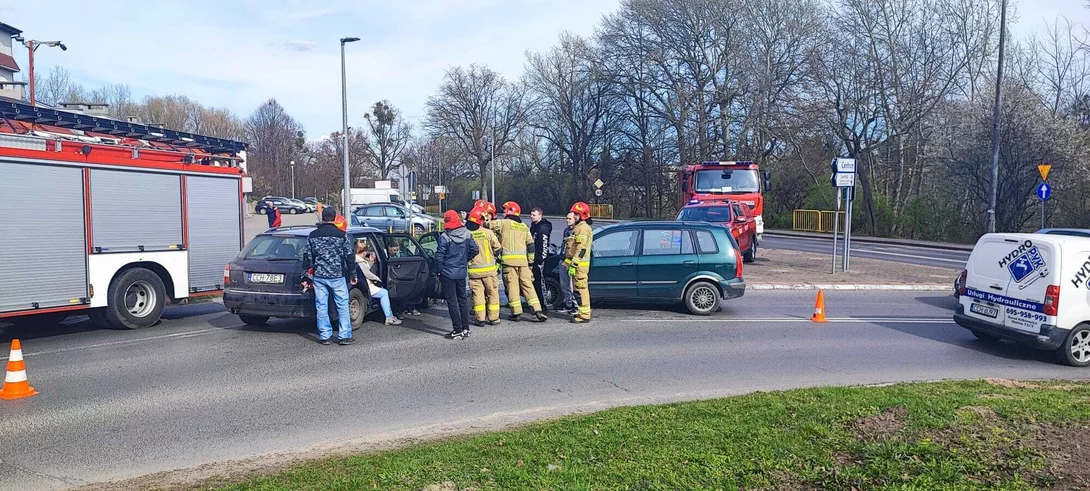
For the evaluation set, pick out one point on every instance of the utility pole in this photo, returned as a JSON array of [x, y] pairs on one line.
[[347, 198], [493, 168], [994, 173], [32, 46], [292, 179]]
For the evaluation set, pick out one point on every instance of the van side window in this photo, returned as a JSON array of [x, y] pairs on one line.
[[667, 242], [705, 241]]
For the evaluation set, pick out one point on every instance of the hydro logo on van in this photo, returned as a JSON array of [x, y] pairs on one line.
[[1082, 275], [1025, 264]]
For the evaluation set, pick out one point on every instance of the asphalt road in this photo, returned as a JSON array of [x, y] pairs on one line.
[[202, 387]]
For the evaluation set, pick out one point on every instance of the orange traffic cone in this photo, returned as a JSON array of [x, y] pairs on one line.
[[15, 382], [819, 308]]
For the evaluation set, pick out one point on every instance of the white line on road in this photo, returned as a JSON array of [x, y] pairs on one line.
[[116, 343], [785, 320]]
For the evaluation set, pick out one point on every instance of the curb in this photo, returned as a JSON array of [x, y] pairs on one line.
[[849, 287], [874, 240]]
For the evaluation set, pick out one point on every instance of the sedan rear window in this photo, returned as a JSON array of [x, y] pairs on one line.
[[272, 247]]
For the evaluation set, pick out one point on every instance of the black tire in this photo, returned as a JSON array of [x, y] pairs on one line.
[[135, 300], [554, 296], [357, 307], [39, 320], [254, 320], [1075, 350], [702, 298], [983, 336], [750, 254], [418, 230]]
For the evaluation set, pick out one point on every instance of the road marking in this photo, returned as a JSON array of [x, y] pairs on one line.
[[925, 258], [786, 320], [117, 343]]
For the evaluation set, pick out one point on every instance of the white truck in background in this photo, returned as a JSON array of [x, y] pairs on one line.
[[378, 194]]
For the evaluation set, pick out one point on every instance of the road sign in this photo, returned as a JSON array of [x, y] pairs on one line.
[[441, 189], [597, 192], [412, 180], [841, 166], [1043, 170], [843, 180], [442, 195], [598, 184], [1044, 191], [427, 195], [476, 194]]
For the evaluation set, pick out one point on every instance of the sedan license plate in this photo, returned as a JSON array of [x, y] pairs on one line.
[[266, 278], [984, 310]]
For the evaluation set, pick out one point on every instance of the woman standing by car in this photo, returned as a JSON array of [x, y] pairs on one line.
[[365, 259]]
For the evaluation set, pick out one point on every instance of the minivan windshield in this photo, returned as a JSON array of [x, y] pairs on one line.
[[705, 214], [740, 181]]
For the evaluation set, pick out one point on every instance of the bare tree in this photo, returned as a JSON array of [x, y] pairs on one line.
[[479, 110], [388, 139], [275, 140]]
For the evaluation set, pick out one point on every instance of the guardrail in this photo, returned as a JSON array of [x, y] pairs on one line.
[[817, 220]]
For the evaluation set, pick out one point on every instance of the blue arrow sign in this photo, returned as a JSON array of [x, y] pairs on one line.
[[1044, 191]]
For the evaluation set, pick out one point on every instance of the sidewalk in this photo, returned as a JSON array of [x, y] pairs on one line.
[[872, 240]]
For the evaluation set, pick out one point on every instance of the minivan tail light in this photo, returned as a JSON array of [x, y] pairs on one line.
[[738, 263], [1052, 299], [227, 275]]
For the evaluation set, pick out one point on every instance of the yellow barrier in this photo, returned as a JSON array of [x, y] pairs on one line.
[[601, 211], [816, 220]]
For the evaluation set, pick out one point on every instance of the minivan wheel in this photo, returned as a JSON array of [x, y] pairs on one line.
[[552, 293], [1075, 350], [702, 298]]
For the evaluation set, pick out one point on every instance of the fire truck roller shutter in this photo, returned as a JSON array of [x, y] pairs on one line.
[[133, 209], [43, 251], [213, 216]]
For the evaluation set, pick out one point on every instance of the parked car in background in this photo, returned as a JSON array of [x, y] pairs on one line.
[[387, 216], [312, 201], [689, 262], [263, 281], [730, 214], [307, 206], [285, 205]]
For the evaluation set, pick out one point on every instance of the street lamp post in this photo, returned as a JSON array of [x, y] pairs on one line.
[[347, 199], [493, 168], [32, 46], [993, 173], [292, 179]]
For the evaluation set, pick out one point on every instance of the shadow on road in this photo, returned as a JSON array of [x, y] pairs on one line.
[[948, 302]]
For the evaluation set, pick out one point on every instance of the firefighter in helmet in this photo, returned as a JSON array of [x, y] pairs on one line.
[[483, 270], [518, 253], [577, 260]]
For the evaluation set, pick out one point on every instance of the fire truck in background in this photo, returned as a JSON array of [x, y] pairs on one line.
[[111, 218], [742, 181]]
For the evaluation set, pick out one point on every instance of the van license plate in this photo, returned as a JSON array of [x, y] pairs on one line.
[[984, 310], [268, 278]]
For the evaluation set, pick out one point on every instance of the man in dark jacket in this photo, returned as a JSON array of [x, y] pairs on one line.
[[456, 247], [541, 230], [328, 259]]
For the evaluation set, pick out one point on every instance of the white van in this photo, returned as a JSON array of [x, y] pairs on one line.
[[1030, 288]]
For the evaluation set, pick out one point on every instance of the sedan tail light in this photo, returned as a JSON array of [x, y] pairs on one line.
[[227, 275]]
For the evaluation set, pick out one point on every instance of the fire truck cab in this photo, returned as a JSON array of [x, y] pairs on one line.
[[110, 218], [710, 182]]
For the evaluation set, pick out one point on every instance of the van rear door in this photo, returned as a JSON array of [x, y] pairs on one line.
[[1008, 276]]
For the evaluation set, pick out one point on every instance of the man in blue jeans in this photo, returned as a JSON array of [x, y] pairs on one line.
[[456, 247], [328, 259]]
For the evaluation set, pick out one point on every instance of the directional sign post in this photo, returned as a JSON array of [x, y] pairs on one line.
[[1044, 192], [843, 179]]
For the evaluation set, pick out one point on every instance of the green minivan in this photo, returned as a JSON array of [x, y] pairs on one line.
[[664, 262]]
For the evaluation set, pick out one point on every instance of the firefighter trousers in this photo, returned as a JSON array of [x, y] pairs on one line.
[[486, 296], [581, 286], [519, 281]]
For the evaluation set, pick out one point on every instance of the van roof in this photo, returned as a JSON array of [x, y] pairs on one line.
[[1054, 238]]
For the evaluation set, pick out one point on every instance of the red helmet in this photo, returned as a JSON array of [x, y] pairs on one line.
[[477, 215], [479, 203], [581, 209], [340, 222], [489, 208], [512, 208]]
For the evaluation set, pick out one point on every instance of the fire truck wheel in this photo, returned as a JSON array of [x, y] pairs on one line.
[[136, 299]]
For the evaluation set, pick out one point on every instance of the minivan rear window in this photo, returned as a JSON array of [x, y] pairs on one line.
[[272, 247]]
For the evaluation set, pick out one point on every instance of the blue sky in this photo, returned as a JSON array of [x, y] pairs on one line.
[[238, 53]]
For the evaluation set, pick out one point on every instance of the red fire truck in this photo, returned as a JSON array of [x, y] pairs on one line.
[[740, 181], [111, 218]]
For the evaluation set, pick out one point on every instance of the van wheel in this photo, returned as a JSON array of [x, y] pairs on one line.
[[702, 298], [751, 254], [1075, 350], [983, 336], [136, 299], [254, 320]]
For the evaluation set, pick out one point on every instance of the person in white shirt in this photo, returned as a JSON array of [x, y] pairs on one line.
[[365, 259]]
